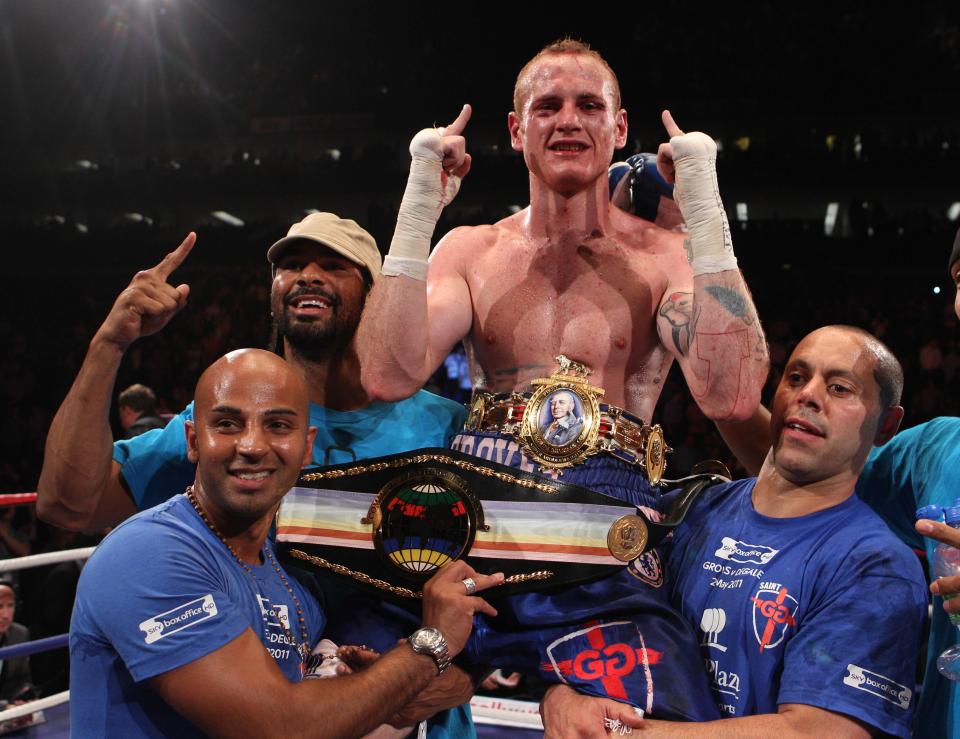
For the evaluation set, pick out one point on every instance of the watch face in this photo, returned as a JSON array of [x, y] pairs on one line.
[[428, 638]]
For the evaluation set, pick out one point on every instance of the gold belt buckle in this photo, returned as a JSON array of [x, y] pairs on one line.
[[561, 422]]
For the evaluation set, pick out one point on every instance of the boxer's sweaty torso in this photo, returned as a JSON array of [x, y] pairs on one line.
[[594, 300]]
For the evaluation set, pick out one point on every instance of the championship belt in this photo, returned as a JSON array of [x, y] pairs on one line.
[[563, 422], [389, 523]]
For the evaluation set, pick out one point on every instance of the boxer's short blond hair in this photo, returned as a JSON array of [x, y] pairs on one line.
[[564, 46]]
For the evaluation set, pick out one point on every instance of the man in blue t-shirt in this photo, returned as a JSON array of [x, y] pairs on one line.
[[323, 270], [212, 634], [918, 467], [810, 611]]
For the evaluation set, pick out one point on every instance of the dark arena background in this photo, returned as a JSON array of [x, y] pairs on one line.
[[127, 124]]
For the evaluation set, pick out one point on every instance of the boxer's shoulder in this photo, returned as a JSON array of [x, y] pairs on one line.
[[640, 234], [468, 238]]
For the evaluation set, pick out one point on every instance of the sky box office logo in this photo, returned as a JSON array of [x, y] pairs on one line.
[[739, 551], [179, 618]]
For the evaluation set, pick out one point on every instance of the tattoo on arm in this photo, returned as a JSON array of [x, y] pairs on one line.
[[682, 315], [731, 301]]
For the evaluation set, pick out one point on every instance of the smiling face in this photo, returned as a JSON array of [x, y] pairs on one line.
[[250, 435], [827, 411], [317, 296], [568, 123]]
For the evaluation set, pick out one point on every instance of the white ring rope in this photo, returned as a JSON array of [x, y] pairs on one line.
[[38, 705], [48, 558]]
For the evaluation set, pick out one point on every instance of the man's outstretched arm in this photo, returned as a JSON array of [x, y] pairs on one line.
[[791, 721], [713, 330], [256, 699], [409, 324], [567, 713], [80, 485]]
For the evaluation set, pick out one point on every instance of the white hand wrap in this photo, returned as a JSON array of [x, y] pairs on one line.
[[698, 195], [429, 189]]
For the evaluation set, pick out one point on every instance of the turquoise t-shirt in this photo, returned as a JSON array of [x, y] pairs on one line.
[[155, 465], [918, 467]]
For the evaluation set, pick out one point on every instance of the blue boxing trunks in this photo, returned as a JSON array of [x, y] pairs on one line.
[[618, 637]]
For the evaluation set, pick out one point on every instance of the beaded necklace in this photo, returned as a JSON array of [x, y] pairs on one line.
[[303, 647]]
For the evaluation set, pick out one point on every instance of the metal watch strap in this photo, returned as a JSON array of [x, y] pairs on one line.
[[439, 653]]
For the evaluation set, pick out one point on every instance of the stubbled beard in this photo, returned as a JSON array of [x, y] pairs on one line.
[[308, 339], [312, 339]]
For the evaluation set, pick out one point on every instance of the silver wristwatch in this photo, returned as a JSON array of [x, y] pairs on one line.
[[430, 641]]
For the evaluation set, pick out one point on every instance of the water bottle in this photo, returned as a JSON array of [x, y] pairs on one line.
[[946, 558], [946, 563]]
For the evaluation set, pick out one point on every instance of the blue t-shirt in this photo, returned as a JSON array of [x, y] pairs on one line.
[[918, 467], [825, 609], [155, 465], [138, 615]]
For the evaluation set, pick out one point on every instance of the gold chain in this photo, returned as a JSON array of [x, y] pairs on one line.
[[301, 649], [358, 576], [396, 589], [419, 458]]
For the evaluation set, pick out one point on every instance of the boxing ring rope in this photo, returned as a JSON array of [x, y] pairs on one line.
[[47, 558], [37, 645], [9, 499]]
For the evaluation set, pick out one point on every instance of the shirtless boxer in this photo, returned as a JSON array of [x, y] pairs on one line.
[[573, 275]]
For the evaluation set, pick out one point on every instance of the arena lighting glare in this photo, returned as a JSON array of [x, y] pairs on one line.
[[138, 218], [87, 164], [830, 219], [230, 220], [936, 290], [742, 212], [953, 212]]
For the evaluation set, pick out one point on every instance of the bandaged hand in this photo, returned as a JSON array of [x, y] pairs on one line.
[[439, 161], [690, 162]]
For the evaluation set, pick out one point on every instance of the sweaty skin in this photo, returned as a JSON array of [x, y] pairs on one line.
[[571, 274]]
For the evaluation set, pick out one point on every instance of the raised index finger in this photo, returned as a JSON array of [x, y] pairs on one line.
[[175, 258], [456, 128], [668, 123]]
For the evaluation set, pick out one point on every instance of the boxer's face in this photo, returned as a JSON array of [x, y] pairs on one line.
[[569, 124], [826, 411]]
